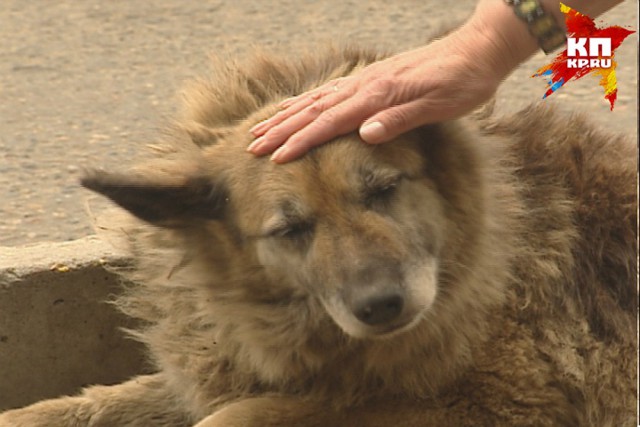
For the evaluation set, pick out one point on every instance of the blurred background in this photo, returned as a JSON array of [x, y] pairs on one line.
[[89, 83]]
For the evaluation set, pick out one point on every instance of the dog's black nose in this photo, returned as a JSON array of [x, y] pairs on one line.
[[379, 309]]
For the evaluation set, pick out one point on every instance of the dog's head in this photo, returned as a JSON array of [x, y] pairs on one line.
[[365, 230]]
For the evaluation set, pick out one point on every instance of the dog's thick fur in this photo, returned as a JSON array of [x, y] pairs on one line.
[[511, 243]]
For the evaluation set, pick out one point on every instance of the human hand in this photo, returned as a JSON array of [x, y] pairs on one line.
[[437, 82]]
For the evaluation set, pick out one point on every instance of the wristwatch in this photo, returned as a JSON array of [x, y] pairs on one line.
[[541, 25]]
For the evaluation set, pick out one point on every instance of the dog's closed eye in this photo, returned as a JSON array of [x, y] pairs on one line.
[[292, 230], [381, 192]]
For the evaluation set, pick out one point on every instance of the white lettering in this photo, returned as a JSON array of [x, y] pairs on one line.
[[576, 47], [595, 43], [589, 62], [605, 63], [599, 55]]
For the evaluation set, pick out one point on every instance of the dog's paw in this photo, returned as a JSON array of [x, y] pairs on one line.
[[234, 415], [62, 412], [23, 418], [266, 412]]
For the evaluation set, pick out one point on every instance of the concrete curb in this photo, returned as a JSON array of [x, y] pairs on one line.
[[57, 333]]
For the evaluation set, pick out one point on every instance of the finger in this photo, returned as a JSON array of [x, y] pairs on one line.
[[264, 126], [394, 121], [296, 104], [287, 103], [322, 90], [277, 135], [343, 118], [314, 94]]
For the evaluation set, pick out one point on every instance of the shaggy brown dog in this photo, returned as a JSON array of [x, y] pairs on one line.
[[471, 273]]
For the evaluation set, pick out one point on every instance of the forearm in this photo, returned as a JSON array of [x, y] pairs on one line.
[[506, 38]]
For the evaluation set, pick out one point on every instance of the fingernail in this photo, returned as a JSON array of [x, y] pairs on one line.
[[372, 132], [277, 155], [255, 144]]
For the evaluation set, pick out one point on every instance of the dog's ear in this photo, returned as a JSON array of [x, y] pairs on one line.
[[204, 136], [167, 204]]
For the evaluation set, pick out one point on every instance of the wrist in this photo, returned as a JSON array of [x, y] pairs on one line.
[[505, 41]]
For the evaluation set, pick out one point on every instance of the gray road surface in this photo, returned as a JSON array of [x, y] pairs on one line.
[[87, 83]]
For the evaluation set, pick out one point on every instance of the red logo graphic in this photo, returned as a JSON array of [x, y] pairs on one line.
[[590, 50]]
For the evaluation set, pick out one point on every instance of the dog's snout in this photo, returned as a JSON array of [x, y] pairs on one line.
[[379, 309]]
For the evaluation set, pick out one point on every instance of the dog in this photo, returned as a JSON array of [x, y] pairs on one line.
[[478, 272]]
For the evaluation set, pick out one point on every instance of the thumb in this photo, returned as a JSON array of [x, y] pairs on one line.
[[394, 121]]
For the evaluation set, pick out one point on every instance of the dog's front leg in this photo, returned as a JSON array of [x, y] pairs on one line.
[[141, 402], [282, 411], [272, 411]]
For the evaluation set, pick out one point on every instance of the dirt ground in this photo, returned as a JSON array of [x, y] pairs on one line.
[[88, 83]]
